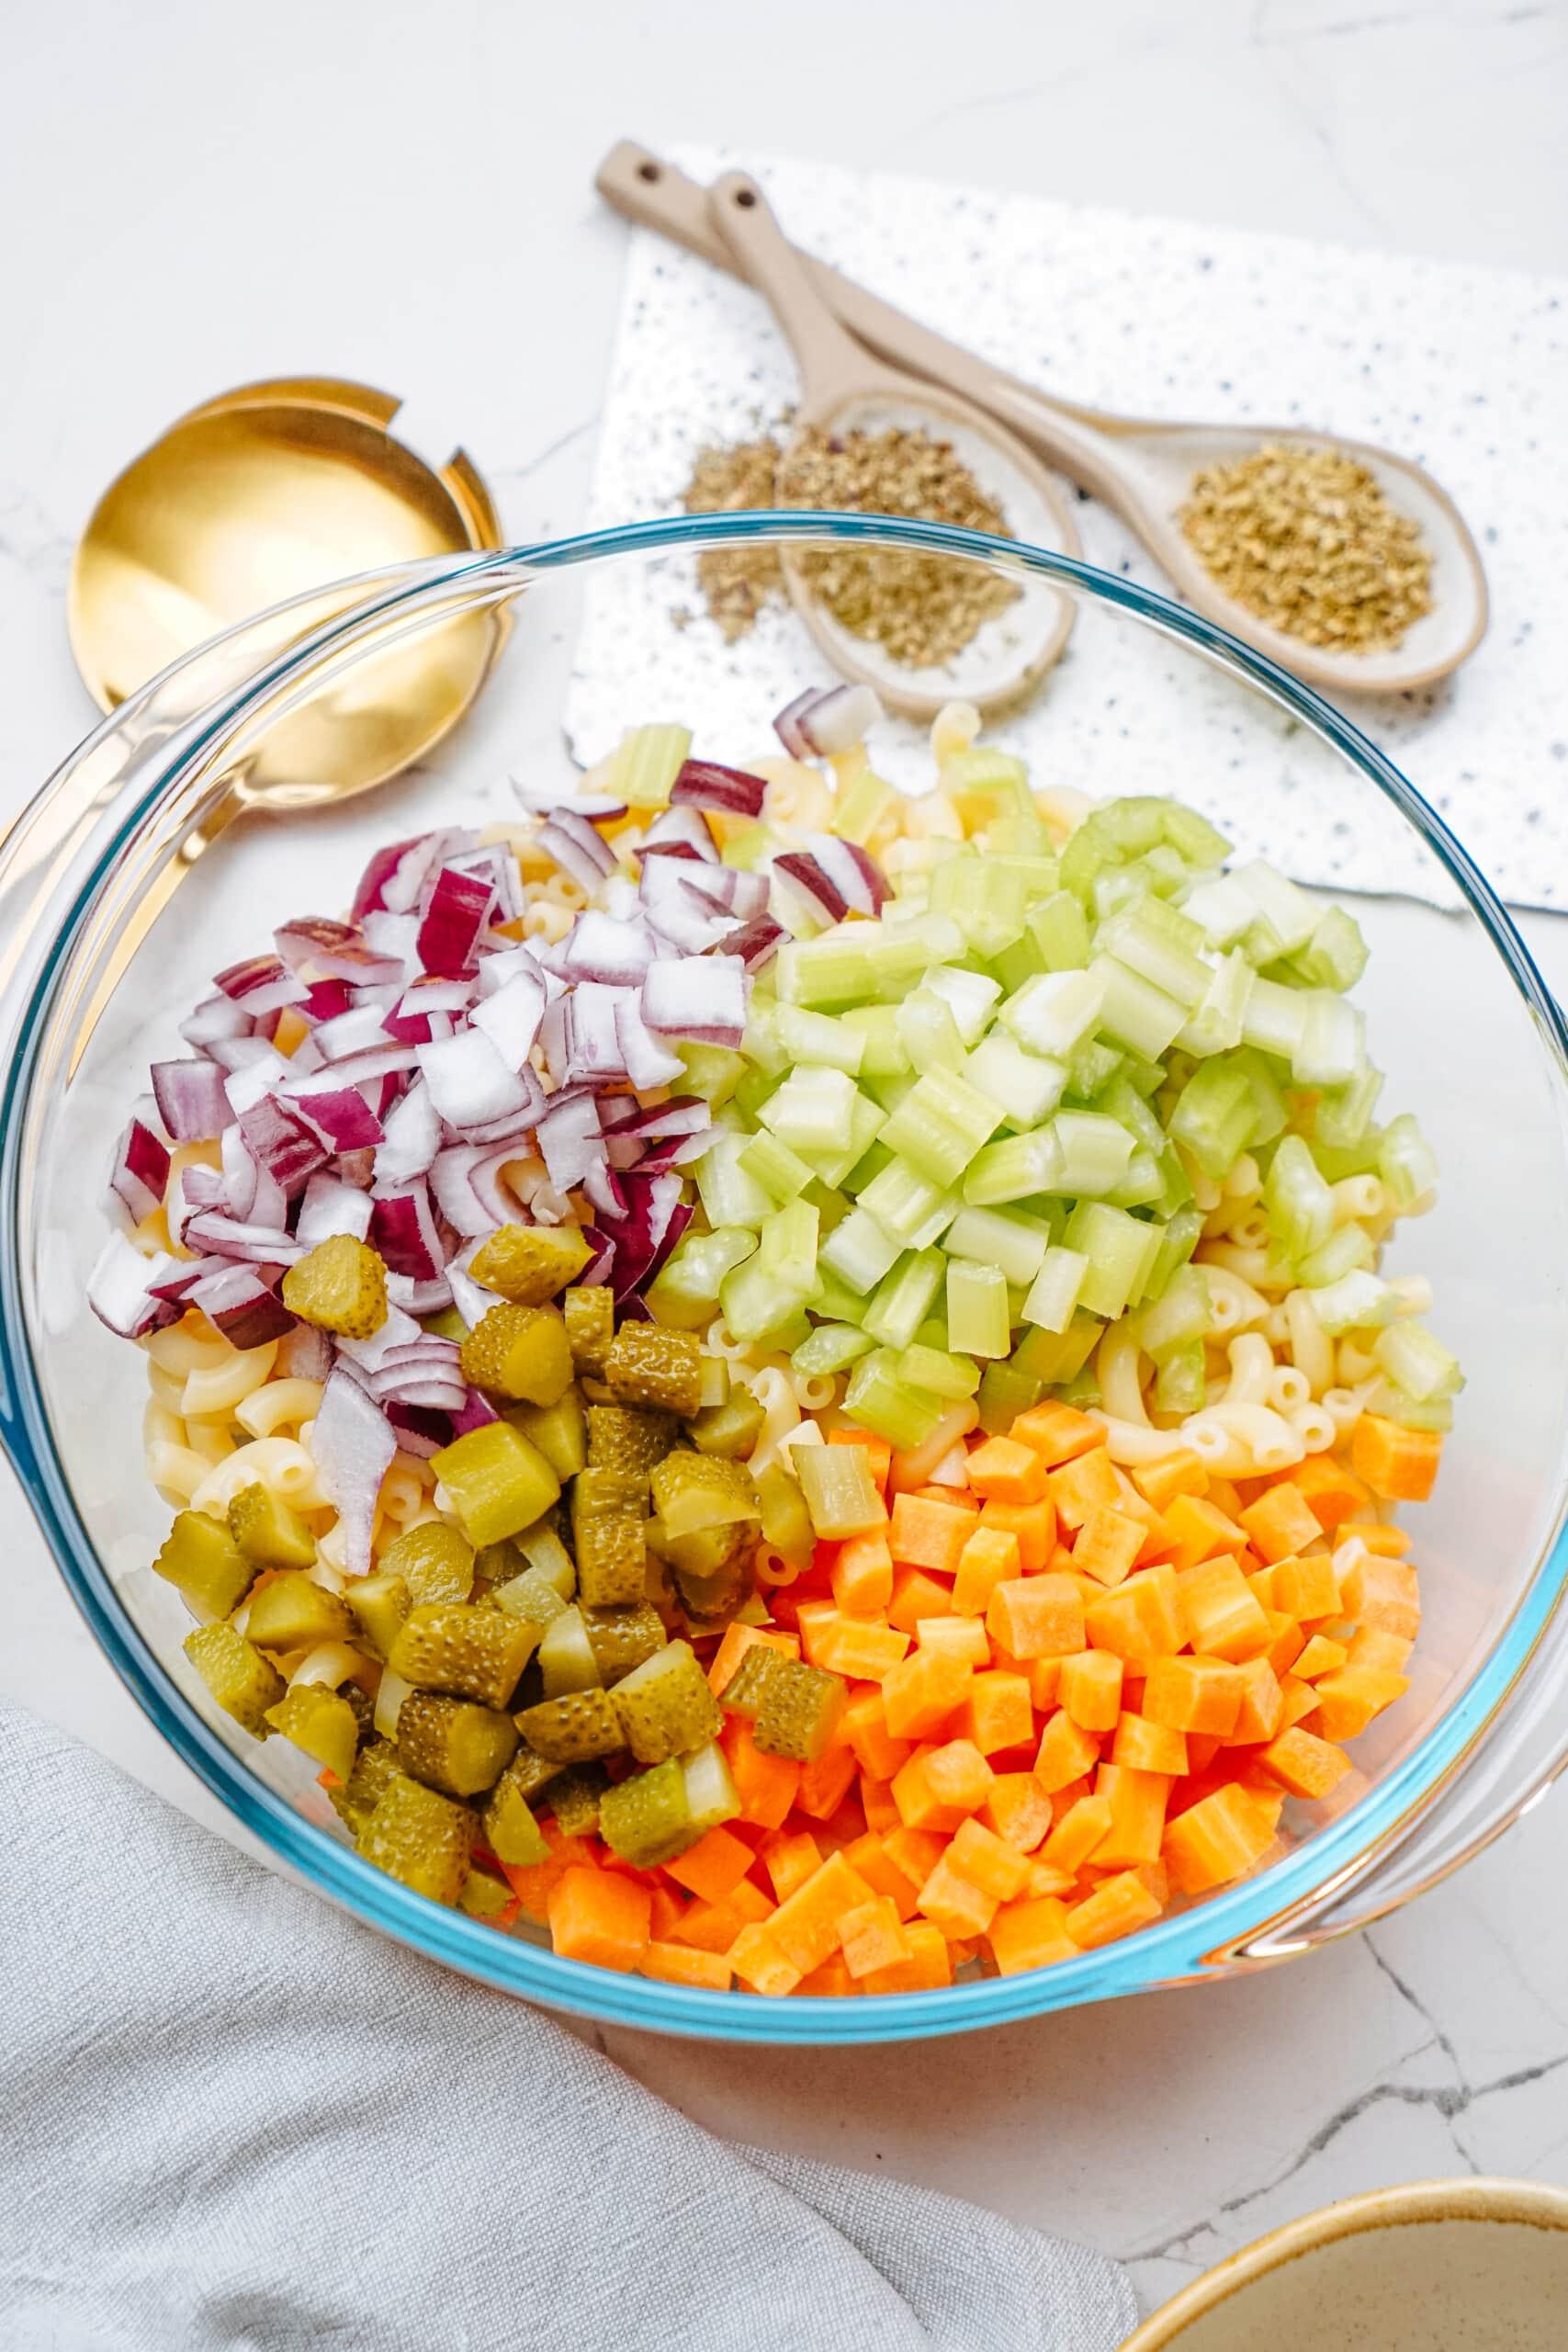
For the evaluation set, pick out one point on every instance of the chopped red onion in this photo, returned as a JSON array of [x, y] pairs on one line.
[[646, 1062], [203, 1188], [215, 1016], [683, 916], [396, 876], [360, 1030], [227, 1237], [420, 1431], [703, 999], [593, 1043], [456, 1196], [823, 899], [403, 1231], [374, 1063], [510, 1018], [331, 1207], [598, 948], [419, 1298], [394, 936], [474, 1413], [399, 1331], [245, 1053], [120, 1289], [261, 984], [411, 1137], [255, 1079], [492, 862], [570, 1140], [340, 1114], [676, 832], [573, 845], [472, 1302], [469, 1083], [353, 1443], [825, 720], [545, 799], [323, 1001], [241, 1304], [857, 878], [458, 910], [141, 1169], [756, 943], [702, 784], [338, 951], [284, 1144]]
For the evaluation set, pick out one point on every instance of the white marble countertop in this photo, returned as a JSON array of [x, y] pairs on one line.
[[402, 193]]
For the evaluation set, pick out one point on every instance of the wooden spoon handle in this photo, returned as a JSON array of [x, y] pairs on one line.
[[831, 362]]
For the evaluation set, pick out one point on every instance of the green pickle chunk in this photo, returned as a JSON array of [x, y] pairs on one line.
[[528, 1264], [567, 1656], [786, 1522], [508, 1824], [453, 1745], [574, 1728], [647, 1819], [620, 1437], [622, 1638], [321, 1723], [422, 1838], [340, 1286], [497, 1482], [665, 1706], [521, 1353], [531, 1597], [434, 1561], [294, 1612], [748, 1686], [590, 1315], [559, 1431], [463, 1651], [799, 1711], [269, 1532], [243, 1683], [650, 1365], [200, 1558], [377, 1603], [608, 1536], [376, 1768], [730, 1429], [485, 1896], [575, 1799], [695, 1492]]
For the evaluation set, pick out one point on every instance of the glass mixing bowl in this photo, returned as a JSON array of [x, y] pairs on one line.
[[95, 977]]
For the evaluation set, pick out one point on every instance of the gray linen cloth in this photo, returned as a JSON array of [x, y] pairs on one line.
[[230, 2117]]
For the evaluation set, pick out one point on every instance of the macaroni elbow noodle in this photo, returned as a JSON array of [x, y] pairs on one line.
[[283, 1465], [220, 1388], [277, 1404], [1242, 1441]]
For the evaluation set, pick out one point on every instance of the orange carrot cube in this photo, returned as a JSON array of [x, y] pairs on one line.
[[920, 1807], [988, 1862], [869, 1856], [1067, 1753], [1200, 1529], [1137, 1801], [1091, 1688], [873, 1937], [1117, 1908], [825, 1784], [1010, 1472], [760, 1964], [1078, 1832], [1160, 1482], [1306, 1587], [1320, 1657], [859, 1649], [916, 1594], [685, 1965], [1223, 1618], [714, 1867], [998, 1712], [1030, 1933], [922, 1691], [666, 1912], [1044, 1677], [766, 1785], [1085, 1484], [958, 1775], [1059, 1432], [1195, 1694], [1018, 1809], [1033, 1524], [1400, 1465], [1036, 1616], [1262, 1704], [863, 1728], [924, 1534], [987, 1559], [863, 1575], [1108, 1545], [1220, 1838], [790, 1856], [1297, 1700], [818, 1622], [1286, 1641], [1303, 1765], [929, 1966], [876, 1802], [1141, 1620], [805, 1928], [736, 1641], [1281, 1523], [1144, 1747], [963, 1638], [954, 1904], [1347, 1700], [1369, 1645], [1381, 1594], [600, 1916]]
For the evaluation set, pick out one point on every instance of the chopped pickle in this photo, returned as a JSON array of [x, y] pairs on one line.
[[665, 1706], [573, 1728], [361, 1706], [607, 1531], [497, 1482], [340, 1286], [531, 1597], [510, 1829], [485, 1894], [528, 1264], [711, 1793], [590, 1315], [453, 1745], [708, 1596], [567, 1661], [269, 1532], [799, 1711], [710, 1555], [433, 1560], [619, 1437], [376, 1766], [744, 1693], [519, 1353], [495, 1563], [715, 1382], [294, 1612], [462, 1651], [320, 1723], [693, 1492], [545, 1553], [201, 1559], [645, 1819], [648, 1365], [575, 1798], [786, 1522], [243, 1683], [622, 1638], [421, 1839], [558, 1431], [380, 1602], [446, 1325], [730, 1429]]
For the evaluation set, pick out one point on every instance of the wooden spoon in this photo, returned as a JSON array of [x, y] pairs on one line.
[[843, 390], [1140, 467]]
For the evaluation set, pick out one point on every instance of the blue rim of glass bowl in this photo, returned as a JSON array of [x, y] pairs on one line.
[[1177, 1946]]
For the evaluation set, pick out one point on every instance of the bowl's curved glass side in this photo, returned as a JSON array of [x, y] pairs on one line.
[[1492, 1580]]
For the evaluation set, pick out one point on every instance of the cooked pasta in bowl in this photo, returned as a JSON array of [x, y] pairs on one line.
[[794, 1383]]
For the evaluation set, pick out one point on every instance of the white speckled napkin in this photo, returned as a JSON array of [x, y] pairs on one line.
[[1460, 367], [234, 2120]]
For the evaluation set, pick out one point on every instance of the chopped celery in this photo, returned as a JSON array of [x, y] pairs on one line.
[[904, 1296], [1275, 1019], [1054, 1011], [1054, 1294], [1142, 1183], [1121, 1251], [756, 1302], [930, 1034], [812, 1111], [1181, 1383], [861, 806], [712, 1072], [1285, 917], [940, 1124], [731, 1197], [1300, 1204], [971, 997], [831, 1347], [936, 1369], [840, 1493], [835, 1301], [647, 762], [858, 1252], [1091, 1069], [1357, 1301], [1343, 1113], [977, 1318], [1396, 1403], [1017, 1167], [1336, 955], [1216, 1022], [681, 1294], [1133, 1012], [1025, 1087], [779, 1170], [880, 1401], [816, 1038], [883, 1051], [1331, 1049], [1214, 1117], [985, 898], [1348, 1246], [1055, 1357], [1183, 1312], [1007, 1239], [1405, 1163], [1093, 1152], [1417, 1362], [908, 1205]]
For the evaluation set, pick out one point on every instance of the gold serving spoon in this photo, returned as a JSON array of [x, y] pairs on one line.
[[1140, 468]]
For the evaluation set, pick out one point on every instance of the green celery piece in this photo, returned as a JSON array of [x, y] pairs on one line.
[[1015, 1168], [835, 1301], [1216, 1021], [1417, 1362], [1336, 955], [1286, 915], [1120, 1250], [831, 1347], [1388, 1399], [1405, 1162], [882, 1052], [928, 1032], [1344, 1114], [1275, 1019], [1006, 1239], [904, 1296], [788, 1245], [1161, 947], [1182, 1312], [940, 1124], [1090, 1071], [870, 1164], [781, 1172], [858, 1253], [712, 1071], [1357, 1301], [978, 1321], [841, 1494], [755, 1302], [681, 1294], [1025, 1087], [1133, 1012], [880, 1401], [1300, 1205], [1054, 1012], [861, 806], [1214, 1116], [984, 783], [1005, 1393], [1181, 1384], [938, 1370], [1142, 1186], [810, 1037], [1053, 1294], [908, 1205], [837, 968], [971, 997], [1025, 836], [833, 1164], [1059, 932], [812, 1111], [729, 1195], [645, 764], [1347, 1248], [752, 1090]]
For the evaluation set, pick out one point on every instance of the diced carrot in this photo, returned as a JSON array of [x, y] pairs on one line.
[[954, 1904], [1030, 1933], [1044, 1878], [1062, 1800], [987, 1559], [1297, 1700], [1381, 1594], [1286, 1642], [1217, 1840], [977, 1854], [1018, 1809], [1157, 1542], [1281, 1522], [1108, 1545], [599, 1917], [766, 1785], [928, 1968], [831, 1981], [1399, 1464], [1370, 1645], [714, 1867], [998, 1712], [1320, 1657], [873, 1937], [1226, 1497], [1036, 1616], [1195, 1694], [1078, 1832], [863, 1727], [714, 1925], [920, 1807], [963, 1638], [1262, 1704], [876, 1800], [806, 1928], [790, 1856], [736, 1640], [1009, 1471], [1202, 1749], [1091, 1688], [959, 1775], [1223, 1618], [863, 1575], [1059, 1432], [1303, 1765], [860, 1650], [1117, 1908], [1347, 1700], [825, 1784], [914, 1852], [1382, 1543], [1044, 1677], [1067, 1753], [1330, 1487], [929, 1534], [921, 1692], [531, 1882], [1084, 1485], [869, 1856], [1200, 1529], [757, 1962], [818, 1620], [1181, 1472], [1141, 1620], [1306, 1587], [667, 1913], [685, 1965], [1034, 1525], [916, 1594], [1137, 1801], [1144, 1747]]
